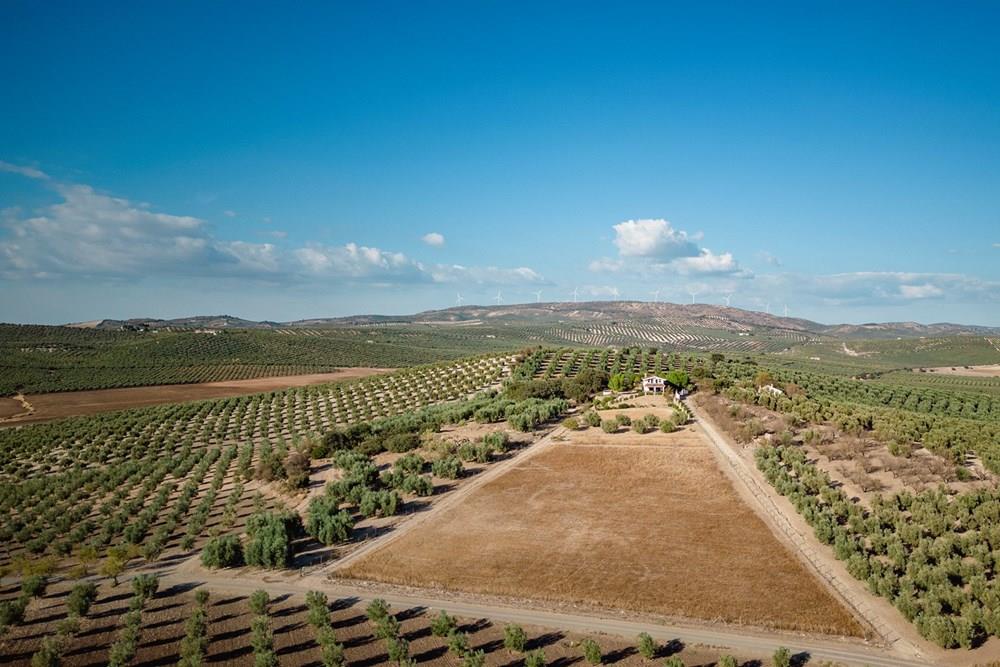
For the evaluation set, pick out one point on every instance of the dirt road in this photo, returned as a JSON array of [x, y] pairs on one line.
[[755, 643], [851, 592]]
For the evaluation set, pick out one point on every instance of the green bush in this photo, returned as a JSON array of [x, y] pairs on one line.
[[514, 638], [449, 467], [269, 542], [535, 659], [326, 522], [647, 646], [222, 551], [443, 624], [592, 651], [782, 657], [81, 598], [259, 600], [609, 425]]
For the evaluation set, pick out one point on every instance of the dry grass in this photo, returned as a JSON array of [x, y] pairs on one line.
[[654, 529]]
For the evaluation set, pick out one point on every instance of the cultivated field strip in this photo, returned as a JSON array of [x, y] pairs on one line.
[[141, 472], [730, 337]]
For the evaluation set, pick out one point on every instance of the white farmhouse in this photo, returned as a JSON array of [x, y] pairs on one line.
[[653, 384]]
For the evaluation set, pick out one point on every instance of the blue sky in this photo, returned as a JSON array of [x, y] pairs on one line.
[[276, 162]]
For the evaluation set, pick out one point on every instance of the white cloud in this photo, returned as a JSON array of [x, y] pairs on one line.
[[88, 233], [925, 291], [652, 238], [606, 265], [433, 239], [879, 287], [707, 263], [358, 262], [229, 214], [654, 246], [29, 172], [456, 273], [996, 245]]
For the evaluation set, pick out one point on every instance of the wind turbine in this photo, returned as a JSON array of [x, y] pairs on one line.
[[538, 296], [576, 291], [459, 300], [727, 297], [656, 295], [498, 298], [767, 307], [786, 310], [693, 295]]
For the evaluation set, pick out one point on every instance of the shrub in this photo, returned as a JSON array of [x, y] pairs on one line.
[[673, 661], [319, 613], [647, 646], [332, 652], [571, 423], [449, 467], [497, 441], [49, 654], [474, 658], [144, 586], [296, 467], [623, 420], [81, 598], [592, 651], [377, 610], [402, 442], [443, 624], [458, 643], [782, 657], [667, 425], [34, 586], [593, 419], [222, 551], [259, 600], [398, 650], [535, 659], [262, 640], [609, 425], [326, 523], [727, 661], [270, 539], [411, 463], [514, 638]]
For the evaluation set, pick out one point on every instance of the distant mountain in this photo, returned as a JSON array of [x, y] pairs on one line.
[[706, 316]]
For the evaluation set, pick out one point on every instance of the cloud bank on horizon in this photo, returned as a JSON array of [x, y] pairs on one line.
[[105, 240]]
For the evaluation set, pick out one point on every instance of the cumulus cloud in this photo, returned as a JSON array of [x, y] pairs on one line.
[[654, 246], [88, 233], [653, 238], [707, 263], [433, 239], [29, 172]]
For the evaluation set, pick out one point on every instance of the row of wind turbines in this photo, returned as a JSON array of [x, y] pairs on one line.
[[498, 299]]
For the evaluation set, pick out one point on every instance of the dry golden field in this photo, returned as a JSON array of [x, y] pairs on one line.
[[651, 526]]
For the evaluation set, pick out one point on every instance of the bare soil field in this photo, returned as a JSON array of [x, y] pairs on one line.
[[10, 407], [47, 407], [651, 526], [229, 619], [989, 371]]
